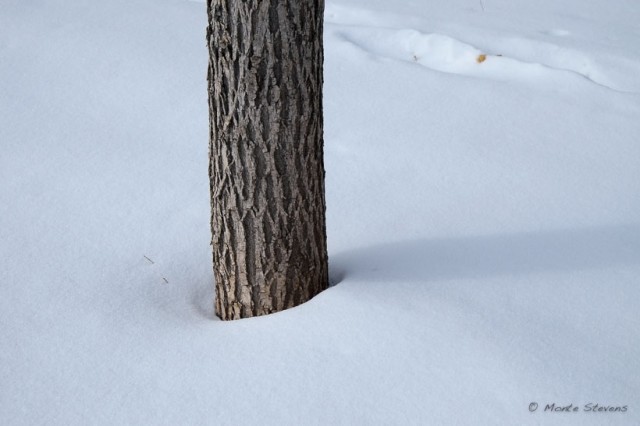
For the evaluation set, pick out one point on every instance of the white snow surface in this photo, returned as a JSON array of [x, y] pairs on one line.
[[483, 221]]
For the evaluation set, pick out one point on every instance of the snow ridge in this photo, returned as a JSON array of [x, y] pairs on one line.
[[506, 58]]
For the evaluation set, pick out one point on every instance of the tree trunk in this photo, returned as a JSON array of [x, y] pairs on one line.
[[266, 154]]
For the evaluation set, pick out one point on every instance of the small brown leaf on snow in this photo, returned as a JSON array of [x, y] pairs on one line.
[[481, 58]]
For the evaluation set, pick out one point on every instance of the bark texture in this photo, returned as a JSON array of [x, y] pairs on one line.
[[266, 154]]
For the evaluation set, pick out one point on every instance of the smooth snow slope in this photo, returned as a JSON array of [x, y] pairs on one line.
[[483, 220]]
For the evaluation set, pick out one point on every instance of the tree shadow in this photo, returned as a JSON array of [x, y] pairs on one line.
[[493, 255]]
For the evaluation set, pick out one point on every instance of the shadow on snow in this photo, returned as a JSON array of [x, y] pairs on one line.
[[492, 255]]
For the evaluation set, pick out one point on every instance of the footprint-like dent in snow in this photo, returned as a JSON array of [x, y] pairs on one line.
[[556, 33], [516, 59]]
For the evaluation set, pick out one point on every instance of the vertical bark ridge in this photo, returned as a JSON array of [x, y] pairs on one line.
[[266, 154]]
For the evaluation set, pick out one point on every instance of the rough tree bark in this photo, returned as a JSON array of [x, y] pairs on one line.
[[266, 154]]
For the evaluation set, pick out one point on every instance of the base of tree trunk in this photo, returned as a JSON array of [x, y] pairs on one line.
[[266, 154]]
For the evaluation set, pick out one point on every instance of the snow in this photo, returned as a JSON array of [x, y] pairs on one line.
[[483, 221]]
